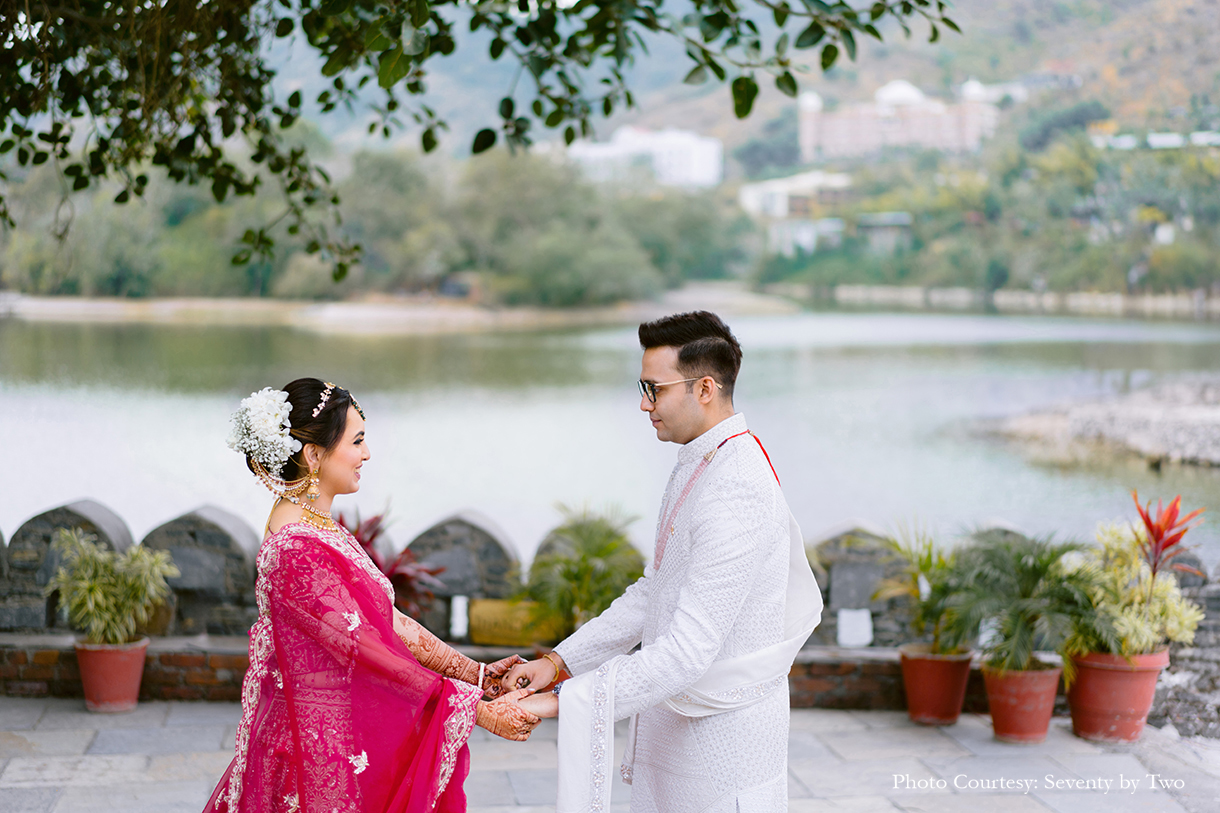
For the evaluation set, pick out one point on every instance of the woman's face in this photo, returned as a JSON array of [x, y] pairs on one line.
[[339, 472]]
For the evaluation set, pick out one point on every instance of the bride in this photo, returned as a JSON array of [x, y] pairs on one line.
[[348, 704]]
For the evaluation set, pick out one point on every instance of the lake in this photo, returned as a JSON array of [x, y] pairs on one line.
[[868, 418]]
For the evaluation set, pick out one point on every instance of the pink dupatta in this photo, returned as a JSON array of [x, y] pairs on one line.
[[337, 715]]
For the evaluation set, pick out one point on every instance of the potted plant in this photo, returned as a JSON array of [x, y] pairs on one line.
[[581, 568], [935, 672], [106, 595], [1119, 643], [411, 580], [1027, 594]]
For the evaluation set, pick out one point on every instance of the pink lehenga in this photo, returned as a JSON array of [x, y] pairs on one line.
[[337, 714]]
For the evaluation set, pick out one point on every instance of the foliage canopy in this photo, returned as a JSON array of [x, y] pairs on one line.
[[103, 88]]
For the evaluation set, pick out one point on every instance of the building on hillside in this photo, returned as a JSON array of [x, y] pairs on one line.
[[900, 115], [885, 232], [788, 208], [674, 157]]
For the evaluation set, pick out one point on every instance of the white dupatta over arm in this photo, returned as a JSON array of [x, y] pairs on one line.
[[720, 620]]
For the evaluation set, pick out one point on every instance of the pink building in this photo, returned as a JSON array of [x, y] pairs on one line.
[[899, 116]]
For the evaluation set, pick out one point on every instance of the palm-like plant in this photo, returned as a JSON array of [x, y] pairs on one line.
[[1025, 588], [106, 594], [590, 565], [929, 580]]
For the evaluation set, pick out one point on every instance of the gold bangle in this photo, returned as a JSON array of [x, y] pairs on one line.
[[553, 663]]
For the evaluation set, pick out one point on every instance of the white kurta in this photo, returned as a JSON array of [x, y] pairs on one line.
[[718, 593]]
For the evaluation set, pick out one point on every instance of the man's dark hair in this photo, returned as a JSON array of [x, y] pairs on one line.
[[705, 345]]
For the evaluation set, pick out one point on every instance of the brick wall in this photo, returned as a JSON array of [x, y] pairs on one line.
[[212, 668]]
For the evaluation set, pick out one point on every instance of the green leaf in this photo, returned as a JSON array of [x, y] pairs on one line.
[[338, 61], [80, 183], [418, 43], [419, 13], [506, 108], [745, 90], [393, 67], [569, 134], [375, 39], [283, 28], [428, 140], [334, 7], [242, 257], [294, 100], [782, 45], [935, 35], [811, 36], [715, 68], [555, 118], [950, 24], [829, 54], [697, 76], [786, 83], [873, 32], [849, 42], [497, 48], [878, 11], [122, 197], [7, 145], [781, 14], [484, 140]]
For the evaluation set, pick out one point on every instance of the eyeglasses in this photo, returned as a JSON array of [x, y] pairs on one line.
[[649, 390]]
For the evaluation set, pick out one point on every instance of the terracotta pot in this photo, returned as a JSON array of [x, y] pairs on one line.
[[1021, 703], [935, 684], [1111, 696], [110, 674]]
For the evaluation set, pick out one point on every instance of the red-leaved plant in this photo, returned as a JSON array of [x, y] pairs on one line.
[[411, 580], [1163, 533]]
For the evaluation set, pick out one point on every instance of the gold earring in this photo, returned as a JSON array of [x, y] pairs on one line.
[[314, 492]]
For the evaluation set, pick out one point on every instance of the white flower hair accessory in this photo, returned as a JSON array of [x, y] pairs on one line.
[[261, 429]]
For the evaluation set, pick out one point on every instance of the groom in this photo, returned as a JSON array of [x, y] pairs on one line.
[[719, 613]]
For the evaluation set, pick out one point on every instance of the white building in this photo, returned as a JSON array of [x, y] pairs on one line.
[[900, 115], [787, 206], [675, 157]]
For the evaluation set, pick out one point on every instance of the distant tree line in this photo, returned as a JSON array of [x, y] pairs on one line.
[[523, 229]]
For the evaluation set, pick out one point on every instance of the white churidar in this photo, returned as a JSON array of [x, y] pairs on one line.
[[719, 621]]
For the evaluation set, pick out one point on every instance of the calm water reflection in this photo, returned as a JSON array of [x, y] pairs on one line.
[[868, 416]]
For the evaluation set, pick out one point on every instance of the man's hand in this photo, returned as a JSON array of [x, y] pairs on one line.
[[543, 704], [505, 717], [537, 673], [493, 676]]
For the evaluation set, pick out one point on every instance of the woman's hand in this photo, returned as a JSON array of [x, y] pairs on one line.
[[505, 717], [543, 704], [494, 673]]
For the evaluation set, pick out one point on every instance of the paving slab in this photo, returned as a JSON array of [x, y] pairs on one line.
[[826, 720], [974, 733], [843, 804], [28, 743], [1003, 775], [26, 772], [206, 766], [961, 803], [29, 800], [890, 743], [71, 713], [826, 779], [19, 716], [164, 797], [807, 745], [223, 714], [488, 789], [534, 787], [175, 740], [1114, 803], [502, 755], [1126, 773]]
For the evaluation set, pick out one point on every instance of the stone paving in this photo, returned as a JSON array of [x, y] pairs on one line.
[[165, 757]]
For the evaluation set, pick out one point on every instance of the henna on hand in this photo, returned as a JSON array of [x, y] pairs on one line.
[[433, 653], [493, 674], [504, 718]]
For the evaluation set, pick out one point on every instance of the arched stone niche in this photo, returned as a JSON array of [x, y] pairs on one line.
[[29, 563], [215, 550], [479, 562], [853, 560]]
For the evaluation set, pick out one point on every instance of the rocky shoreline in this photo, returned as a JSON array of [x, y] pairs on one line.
[[1171, 423]]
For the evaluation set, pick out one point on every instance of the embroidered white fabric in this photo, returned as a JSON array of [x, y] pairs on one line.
[[718, 593]]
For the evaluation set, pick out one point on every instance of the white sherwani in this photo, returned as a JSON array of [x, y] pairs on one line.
[[718, 593]]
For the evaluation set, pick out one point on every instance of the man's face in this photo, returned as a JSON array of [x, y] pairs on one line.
[[677, 415]]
